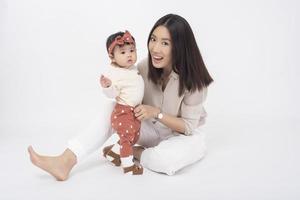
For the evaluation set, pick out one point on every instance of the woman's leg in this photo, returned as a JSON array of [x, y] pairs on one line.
[[174, 153], [58, 166], [78, 147]]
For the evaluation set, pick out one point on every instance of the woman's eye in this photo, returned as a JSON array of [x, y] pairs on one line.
[[152, 39], [165, 43]]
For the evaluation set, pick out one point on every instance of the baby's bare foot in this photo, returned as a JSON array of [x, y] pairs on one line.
[[57, 166]]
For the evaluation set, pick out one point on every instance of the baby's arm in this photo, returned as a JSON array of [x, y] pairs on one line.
[[108, 89]]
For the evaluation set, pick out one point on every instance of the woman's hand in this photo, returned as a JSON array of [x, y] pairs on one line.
[[143, 112], [105, 82]]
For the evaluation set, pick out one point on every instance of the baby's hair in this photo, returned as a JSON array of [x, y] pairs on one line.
[[112, 38]]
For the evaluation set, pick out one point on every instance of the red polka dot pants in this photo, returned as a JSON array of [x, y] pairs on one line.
[[127, 127]]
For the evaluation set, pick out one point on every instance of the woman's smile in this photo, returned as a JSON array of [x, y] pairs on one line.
[[156, 59]]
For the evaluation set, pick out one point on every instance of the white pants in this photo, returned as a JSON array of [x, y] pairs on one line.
[[165, 154]]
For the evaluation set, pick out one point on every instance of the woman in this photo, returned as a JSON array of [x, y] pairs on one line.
[[176, 82]]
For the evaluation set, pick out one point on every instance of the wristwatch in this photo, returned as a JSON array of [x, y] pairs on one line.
[[159, 115]]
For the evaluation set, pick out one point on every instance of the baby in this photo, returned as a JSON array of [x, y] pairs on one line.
[[123, 82]]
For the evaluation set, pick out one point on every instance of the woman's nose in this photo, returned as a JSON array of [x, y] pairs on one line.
[[155, 48]]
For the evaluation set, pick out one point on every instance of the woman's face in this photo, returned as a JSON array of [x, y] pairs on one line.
[[160, 48]]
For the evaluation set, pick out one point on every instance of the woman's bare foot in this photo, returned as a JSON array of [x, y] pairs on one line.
[[57, 166]]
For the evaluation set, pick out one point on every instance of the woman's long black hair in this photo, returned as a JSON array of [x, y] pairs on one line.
[[187, 61]]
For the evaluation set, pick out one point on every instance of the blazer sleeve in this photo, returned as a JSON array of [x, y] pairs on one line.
[[192, 110]]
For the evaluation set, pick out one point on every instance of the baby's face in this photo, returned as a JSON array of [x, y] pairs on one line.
[[124, 56]]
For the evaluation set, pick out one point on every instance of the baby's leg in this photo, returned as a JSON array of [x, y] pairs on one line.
[[126, 153], [111, 151]]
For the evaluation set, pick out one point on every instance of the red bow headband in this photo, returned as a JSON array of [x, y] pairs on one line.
[[126, 38]]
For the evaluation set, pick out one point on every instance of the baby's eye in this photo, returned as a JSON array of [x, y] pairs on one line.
[[122, 52], [132, 50]]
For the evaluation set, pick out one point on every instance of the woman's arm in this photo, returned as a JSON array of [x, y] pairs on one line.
[[143, 112], [192, 113]]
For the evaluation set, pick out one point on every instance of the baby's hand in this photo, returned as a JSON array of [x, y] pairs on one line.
[[105, 82]]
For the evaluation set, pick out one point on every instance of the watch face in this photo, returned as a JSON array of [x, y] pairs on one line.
[[160, 115]]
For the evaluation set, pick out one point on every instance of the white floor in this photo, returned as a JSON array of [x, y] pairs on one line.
[[252, 158]]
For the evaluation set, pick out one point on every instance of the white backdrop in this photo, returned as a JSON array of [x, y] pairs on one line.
[[52, 53]]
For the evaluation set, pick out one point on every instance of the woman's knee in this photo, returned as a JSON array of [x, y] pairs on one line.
[[174, 154]]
